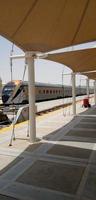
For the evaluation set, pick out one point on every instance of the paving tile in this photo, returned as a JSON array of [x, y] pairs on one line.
[[27, 192], [75, 152], [89, 119], [93, 112], [86, 126], [6, 162], [90, 186], [3, 197], [55, 176], [79, 133], [19, 143], [33, 147]]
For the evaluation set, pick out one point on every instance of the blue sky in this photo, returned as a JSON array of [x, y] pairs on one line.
[[45, 71]]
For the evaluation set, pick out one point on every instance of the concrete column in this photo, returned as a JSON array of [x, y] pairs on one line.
[[73, 94], [95, 92], [31, 82], [87, 87]]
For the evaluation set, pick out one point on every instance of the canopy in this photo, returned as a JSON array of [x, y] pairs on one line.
[[44, 25], [91, 75], [78, 61]]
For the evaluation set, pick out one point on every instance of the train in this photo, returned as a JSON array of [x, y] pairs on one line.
[[16, 92]]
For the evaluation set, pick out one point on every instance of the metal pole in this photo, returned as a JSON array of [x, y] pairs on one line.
[[95, 92], [73, 94], [29, 56], [11, 61], [11, 68], [87, 87], [31, 80]]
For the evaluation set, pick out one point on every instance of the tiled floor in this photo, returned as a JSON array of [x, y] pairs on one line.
[[55, 176], [82, 133], [74, 152], [60, 166]]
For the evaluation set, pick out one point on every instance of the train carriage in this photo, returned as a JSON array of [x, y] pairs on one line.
[[17, 92]]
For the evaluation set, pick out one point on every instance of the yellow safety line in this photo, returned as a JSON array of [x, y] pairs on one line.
[[39, 118], [11, 126]]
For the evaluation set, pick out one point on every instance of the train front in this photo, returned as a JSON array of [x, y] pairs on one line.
[[8, 90]]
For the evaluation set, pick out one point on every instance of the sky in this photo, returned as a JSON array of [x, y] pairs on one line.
[[45, 71]]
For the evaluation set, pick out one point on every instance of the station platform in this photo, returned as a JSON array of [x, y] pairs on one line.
[[60, 165]]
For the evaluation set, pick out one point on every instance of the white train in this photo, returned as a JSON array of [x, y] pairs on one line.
[[17, 92]]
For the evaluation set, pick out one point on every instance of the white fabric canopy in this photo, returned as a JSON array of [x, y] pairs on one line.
[[44, 25]]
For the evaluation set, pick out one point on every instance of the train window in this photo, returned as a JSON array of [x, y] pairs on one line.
[[39, 91], [50, 91], [18, 91], [54, 91], [44, 91], [47, 91], [8, 89]]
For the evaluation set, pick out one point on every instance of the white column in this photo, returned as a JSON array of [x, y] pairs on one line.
[[31, 81], [95, 92], [73, 94], [87, 87]]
